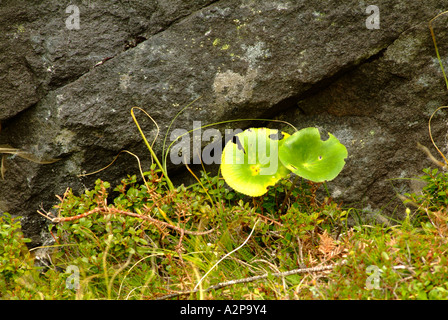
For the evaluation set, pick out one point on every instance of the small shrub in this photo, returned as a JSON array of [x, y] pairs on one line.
[[123, 256], [431, 205], [15, 258]]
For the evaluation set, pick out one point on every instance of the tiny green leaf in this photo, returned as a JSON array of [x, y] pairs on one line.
[[305, 154]]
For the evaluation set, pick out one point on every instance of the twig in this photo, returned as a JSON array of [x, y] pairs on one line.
[[300, 257], [269, 219], [109, 210], [251, 279]]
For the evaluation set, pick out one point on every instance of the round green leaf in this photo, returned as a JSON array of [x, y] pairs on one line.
[[250, 163], [305, 154]]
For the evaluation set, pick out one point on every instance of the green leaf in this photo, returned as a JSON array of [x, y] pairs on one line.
[[250, 162], [305, 154]]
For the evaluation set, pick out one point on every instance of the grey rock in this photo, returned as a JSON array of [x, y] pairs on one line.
[[39, 53], [310, 63]]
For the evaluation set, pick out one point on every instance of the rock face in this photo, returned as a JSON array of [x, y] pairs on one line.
[[66, 93]]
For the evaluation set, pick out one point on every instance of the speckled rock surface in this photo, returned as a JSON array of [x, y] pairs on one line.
[[67, 93]]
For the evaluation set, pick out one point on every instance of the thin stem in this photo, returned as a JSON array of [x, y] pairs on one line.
[[289, 193], [430, 134], [228, 254], [170, 184], [172, 121], [435, 45]]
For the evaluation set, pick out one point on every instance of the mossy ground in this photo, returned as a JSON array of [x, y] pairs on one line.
[[124, 257]]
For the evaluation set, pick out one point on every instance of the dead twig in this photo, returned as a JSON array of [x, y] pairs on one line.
[[109, 210], [251, 279]]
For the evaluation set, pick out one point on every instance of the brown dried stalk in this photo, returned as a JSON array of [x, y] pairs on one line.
[[431, 157], [423, 148], [17, 152], [108, 210]]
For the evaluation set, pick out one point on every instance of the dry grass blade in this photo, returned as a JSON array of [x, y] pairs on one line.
[[228, 254], [430, 156], [25, 155], [430, 135], [2, 168], [435, 44], [116, 157]]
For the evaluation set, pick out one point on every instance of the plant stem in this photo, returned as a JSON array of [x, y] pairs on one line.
[[435, 45], [289, 193], [170, 184], [228, 254]]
